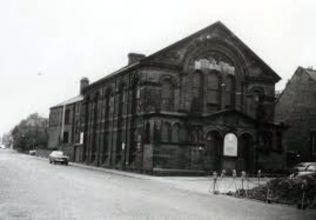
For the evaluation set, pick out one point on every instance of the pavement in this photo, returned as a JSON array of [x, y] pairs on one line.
[[31, 188], [200, 184]]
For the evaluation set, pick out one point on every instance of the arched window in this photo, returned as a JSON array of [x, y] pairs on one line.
[[197, 91], [182, 133], [213, 91], [175, 133], [230, 91], [257, 109], [166, 132], [156, 133], [167, 96]]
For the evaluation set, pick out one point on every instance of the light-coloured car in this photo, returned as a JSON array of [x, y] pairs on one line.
[[304, 168], [32, 152], [58, 157]]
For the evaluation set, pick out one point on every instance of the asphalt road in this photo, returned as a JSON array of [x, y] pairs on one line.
[[31, 188]]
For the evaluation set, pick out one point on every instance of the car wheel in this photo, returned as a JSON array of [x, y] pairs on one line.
[[66, 163], [50, 161]]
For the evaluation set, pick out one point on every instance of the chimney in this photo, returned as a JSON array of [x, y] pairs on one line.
[[135, 57], [84, 82]]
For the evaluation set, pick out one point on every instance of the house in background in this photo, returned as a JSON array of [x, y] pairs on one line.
[[64, 125], [296, 107]]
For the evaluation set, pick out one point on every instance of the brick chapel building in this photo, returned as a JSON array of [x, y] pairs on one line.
[[201, 104]]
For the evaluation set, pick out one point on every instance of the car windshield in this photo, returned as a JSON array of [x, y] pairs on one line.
[[58, 153]]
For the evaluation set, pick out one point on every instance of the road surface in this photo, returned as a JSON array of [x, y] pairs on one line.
[[31, 188]]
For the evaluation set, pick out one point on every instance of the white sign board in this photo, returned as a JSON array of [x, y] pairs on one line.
[[230, 145], [81, 138]]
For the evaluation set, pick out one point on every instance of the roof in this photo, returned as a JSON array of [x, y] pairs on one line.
[[70, 101], [311, 73], [214, 25]]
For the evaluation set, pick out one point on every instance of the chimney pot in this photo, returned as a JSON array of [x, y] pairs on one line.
[[84, 82]]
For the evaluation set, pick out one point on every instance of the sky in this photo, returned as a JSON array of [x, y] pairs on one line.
[[47, 46]]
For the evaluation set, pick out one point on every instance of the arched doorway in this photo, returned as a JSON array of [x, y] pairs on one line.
[[245, 158], [213, 150], [230, 151]]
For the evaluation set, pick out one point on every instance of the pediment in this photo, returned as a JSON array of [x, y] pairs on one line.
[[214, 38]]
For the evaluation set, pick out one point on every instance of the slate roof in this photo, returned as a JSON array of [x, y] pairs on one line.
[[216, 24], [69, 101], [311, 73]]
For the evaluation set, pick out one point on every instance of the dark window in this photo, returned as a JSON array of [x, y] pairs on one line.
[[121, 100], [212, 88], [147, 133], [67, 116], [167, 96], [135, 97], [230, 92], [65, 137], [166, 132], [197, 91], [175, 133]]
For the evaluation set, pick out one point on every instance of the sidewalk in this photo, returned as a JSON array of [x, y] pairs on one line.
[[198, 184]]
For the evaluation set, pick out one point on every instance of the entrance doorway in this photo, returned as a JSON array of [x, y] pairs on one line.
[[213, 151], [245, 152]]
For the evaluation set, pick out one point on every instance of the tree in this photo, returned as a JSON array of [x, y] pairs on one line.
[[30, 133], [7, 140]]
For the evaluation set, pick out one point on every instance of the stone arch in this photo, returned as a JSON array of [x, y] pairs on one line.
[[226, 50], [214, 54]]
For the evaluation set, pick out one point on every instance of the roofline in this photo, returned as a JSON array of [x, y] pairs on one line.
[[286, 86], [147, 58], [60, 105]]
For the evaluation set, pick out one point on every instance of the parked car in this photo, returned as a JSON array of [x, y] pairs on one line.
[[58, 157], [32, 152], [303, 168]]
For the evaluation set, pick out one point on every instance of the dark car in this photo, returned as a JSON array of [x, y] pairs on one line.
[[58, 157]]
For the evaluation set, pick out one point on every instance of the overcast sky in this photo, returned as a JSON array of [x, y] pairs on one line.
[[46, 46]]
